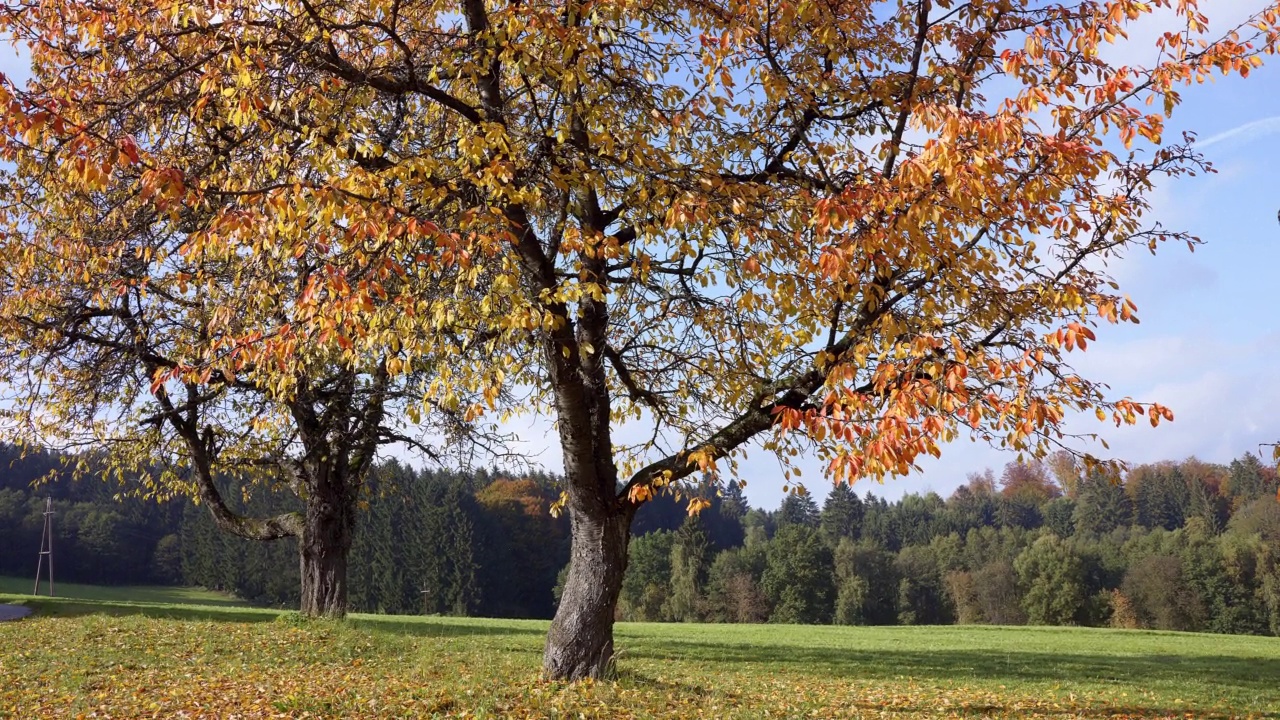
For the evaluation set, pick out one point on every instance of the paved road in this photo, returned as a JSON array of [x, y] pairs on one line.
[[13, 612]]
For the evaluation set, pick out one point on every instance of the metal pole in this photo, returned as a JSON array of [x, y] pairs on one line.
[[49, 527], [46, 547]]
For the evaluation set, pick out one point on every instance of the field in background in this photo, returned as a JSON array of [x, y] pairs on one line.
[[135, 594], [80, 657]]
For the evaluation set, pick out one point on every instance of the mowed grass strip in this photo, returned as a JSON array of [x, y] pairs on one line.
[[71, 661]]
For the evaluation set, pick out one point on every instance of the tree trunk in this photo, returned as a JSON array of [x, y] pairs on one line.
[[323, 548], [580, 642]]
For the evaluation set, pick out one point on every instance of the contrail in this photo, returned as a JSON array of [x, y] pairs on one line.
[[1244, 133]]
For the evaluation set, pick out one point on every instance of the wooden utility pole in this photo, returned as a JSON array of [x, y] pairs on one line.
[[46, 547]]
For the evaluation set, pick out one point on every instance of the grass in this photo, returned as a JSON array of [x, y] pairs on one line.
[[123, 593], [80, 658]]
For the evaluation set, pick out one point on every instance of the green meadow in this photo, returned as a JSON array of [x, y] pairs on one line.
[[155, 654]]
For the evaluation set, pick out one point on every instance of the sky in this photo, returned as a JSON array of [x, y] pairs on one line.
[[1208, 345]]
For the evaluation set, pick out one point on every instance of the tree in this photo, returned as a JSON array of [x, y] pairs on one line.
[[866, 586], [798, 509], [690, 561], [164, 336], [1059, 516], [1161, 596], [798, 576], [1052, 580], [968, 509], [1249, 479], [841, 515], [1028, 481], [922, 592], [1160, 495], [995, 587], [733, 586], [1102, 505], [532, 545], [580, 216], [646, 586]]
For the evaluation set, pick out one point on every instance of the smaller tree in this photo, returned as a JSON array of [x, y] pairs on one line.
[[1161, 594], [922, 594], [690, 560], [1052, 580], [798, 508], [733, 586], [1102, 505], [995, 587], [797, 577], [866, 585], [841, 515], [648, 577]]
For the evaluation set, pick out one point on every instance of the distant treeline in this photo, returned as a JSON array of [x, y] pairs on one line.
[[1185, 546]]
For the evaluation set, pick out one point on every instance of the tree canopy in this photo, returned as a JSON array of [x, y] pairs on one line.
[[861, 227]]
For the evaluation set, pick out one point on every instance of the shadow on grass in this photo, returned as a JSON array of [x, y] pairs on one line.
[[392, 624], [439, 626], [1238, 676], [72, 607]]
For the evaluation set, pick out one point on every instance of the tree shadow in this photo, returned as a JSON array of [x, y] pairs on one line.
[[393, 624], [71, 608], [436, 626]]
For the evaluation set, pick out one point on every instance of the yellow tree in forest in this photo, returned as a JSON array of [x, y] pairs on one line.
[[847, 227]]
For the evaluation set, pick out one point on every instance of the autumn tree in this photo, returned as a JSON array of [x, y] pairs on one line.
[[863, 227], [172, 331]]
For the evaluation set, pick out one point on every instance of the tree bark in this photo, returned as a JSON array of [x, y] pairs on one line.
[[324, 546], [580, 642]]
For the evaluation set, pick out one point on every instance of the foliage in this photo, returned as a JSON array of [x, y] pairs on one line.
[[458, 544], [249, 216], [864, 585], [690, 561], [1052, 579], [645, 589], [798, 577], [1102, 505]]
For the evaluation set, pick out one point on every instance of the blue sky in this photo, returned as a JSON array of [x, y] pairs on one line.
[[1209, 340], [1208, 345]]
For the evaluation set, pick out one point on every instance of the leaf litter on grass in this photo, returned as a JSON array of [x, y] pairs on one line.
[[136, 667]]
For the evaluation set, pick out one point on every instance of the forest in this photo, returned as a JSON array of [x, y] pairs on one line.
[[1174, 545]]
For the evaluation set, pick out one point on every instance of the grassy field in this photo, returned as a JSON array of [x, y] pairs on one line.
[[130, 594], [78, 658]]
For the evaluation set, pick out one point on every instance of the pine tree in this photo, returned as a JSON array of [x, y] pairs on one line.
[[841, 515], [690, 561]]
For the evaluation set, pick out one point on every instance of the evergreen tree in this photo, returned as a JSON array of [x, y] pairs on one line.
[[645, 587], [798, 508], [841, 515], [866, 586], [1102, 505], [798, 577], [880, 523], [1059, 516], [690, 560], [922, 594]]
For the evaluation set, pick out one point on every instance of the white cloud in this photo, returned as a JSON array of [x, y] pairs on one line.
[[1245, 133]]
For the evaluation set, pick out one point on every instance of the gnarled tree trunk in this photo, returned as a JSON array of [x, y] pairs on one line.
[[580, 642], [324, 545]]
